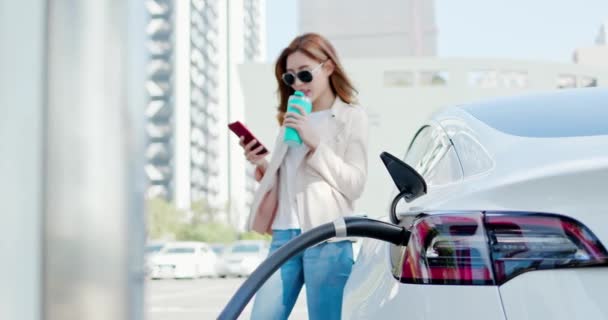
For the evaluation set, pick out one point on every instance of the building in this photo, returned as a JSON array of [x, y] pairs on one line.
[[400, 94], [159, 110], [594, 55], [602, 35], [247, 31], [195, 47], [407, 27]]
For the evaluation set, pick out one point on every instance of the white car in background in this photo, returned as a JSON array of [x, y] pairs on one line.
[[184, 260], [218, 248], [509, 220], [152, 248], [242, 257]]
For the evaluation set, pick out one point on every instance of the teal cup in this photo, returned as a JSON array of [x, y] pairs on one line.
[[292, 138]]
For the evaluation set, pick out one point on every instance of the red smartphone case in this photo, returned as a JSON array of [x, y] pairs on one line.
[[241, 131]]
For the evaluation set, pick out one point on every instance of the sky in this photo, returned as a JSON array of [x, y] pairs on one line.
[[538, 30]]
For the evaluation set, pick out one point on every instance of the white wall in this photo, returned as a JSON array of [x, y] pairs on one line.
[[592, 56]]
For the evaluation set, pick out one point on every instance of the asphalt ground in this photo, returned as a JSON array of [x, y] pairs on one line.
[[199, 299]]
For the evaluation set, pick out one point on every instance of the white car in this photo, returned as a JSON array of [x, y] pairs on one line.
[[152, 248], [184, 260], [242, 258], [509, 222]]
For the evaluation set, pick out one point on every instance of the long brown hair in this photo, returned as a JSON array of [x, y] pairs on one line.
[[320, 49]]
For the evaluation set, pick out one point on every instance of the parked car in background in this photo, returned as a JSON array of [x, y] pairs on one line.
[[218, 248], [152, 248], [184, 260], [242, 258], [513, 225]]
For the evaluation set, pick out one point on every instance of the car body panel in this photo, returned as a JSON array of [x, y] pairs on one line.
[[242, 258], [557, 294], [509, 169], [373, 292], [199, 260]]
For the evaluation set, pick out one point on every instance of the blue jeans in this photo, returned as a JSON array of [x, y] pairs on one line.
[[324, 268]]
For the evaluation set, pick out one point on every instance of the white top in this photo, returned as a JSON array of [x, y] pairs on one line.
[[287, 216]]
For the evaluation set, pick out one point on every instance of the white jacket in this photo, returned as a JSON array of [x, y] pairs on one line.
[[329, 180]]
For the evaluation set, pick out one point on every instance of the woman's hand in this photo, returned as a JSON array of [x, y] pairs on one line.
[[252, 155], [300, 123]]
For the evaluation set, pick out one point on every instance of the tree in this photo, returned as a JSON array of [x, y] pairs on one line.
[[207, 232], [199, 224], [202, 212], [252, 235], [164, 220]]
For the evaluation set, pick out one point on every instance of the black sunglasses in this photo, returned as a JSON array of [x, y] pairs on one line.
[[306, 76]]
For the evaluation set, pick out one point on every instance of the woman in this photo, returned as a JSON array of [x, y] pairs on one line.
[[316, 183]]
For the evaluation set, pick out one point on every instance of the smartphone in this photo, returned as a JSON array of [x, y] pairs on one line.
[[241, 131]]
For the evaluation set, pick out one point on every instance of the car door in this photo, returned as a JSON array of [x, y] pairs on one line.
[[207, 260]]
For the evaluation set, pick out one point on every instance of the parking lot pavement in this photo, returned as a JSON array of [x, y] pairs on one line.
[[199, 299]]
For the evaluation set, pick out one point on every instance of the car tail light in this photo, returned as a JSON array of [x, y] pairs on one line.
[[525, 242], [448, 249], [491, 248]]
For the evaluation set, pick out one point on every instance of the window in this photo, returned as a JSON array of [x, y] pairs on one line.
[[433, 78], [153, 248], [585, 82], [514, 79], [418, 147], [506, 79], [241, 248], [398, 78], [473, 157], [432, 156], [483, 79], [180, 250], [566, 81]]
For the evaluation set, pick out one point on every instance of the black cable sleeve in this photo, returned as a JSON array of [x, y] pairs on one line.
[[380, 230], [393, 212]]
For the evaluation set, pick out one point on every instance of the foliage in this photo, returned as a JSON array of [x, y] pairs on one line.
[[165, 222], [252, 235], [207, 232]]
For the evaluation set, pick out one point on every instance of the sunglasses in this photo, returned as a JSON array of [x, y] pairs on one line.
[[306, 76]]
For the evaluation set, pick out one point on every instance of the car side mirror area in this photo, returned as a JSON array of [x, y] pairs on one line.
[[408, 181]]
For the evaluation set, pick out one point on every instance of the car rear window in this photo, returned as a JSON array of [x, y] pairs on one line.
[[153, 248], [245, 248], [567, 114], [180, 250]]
